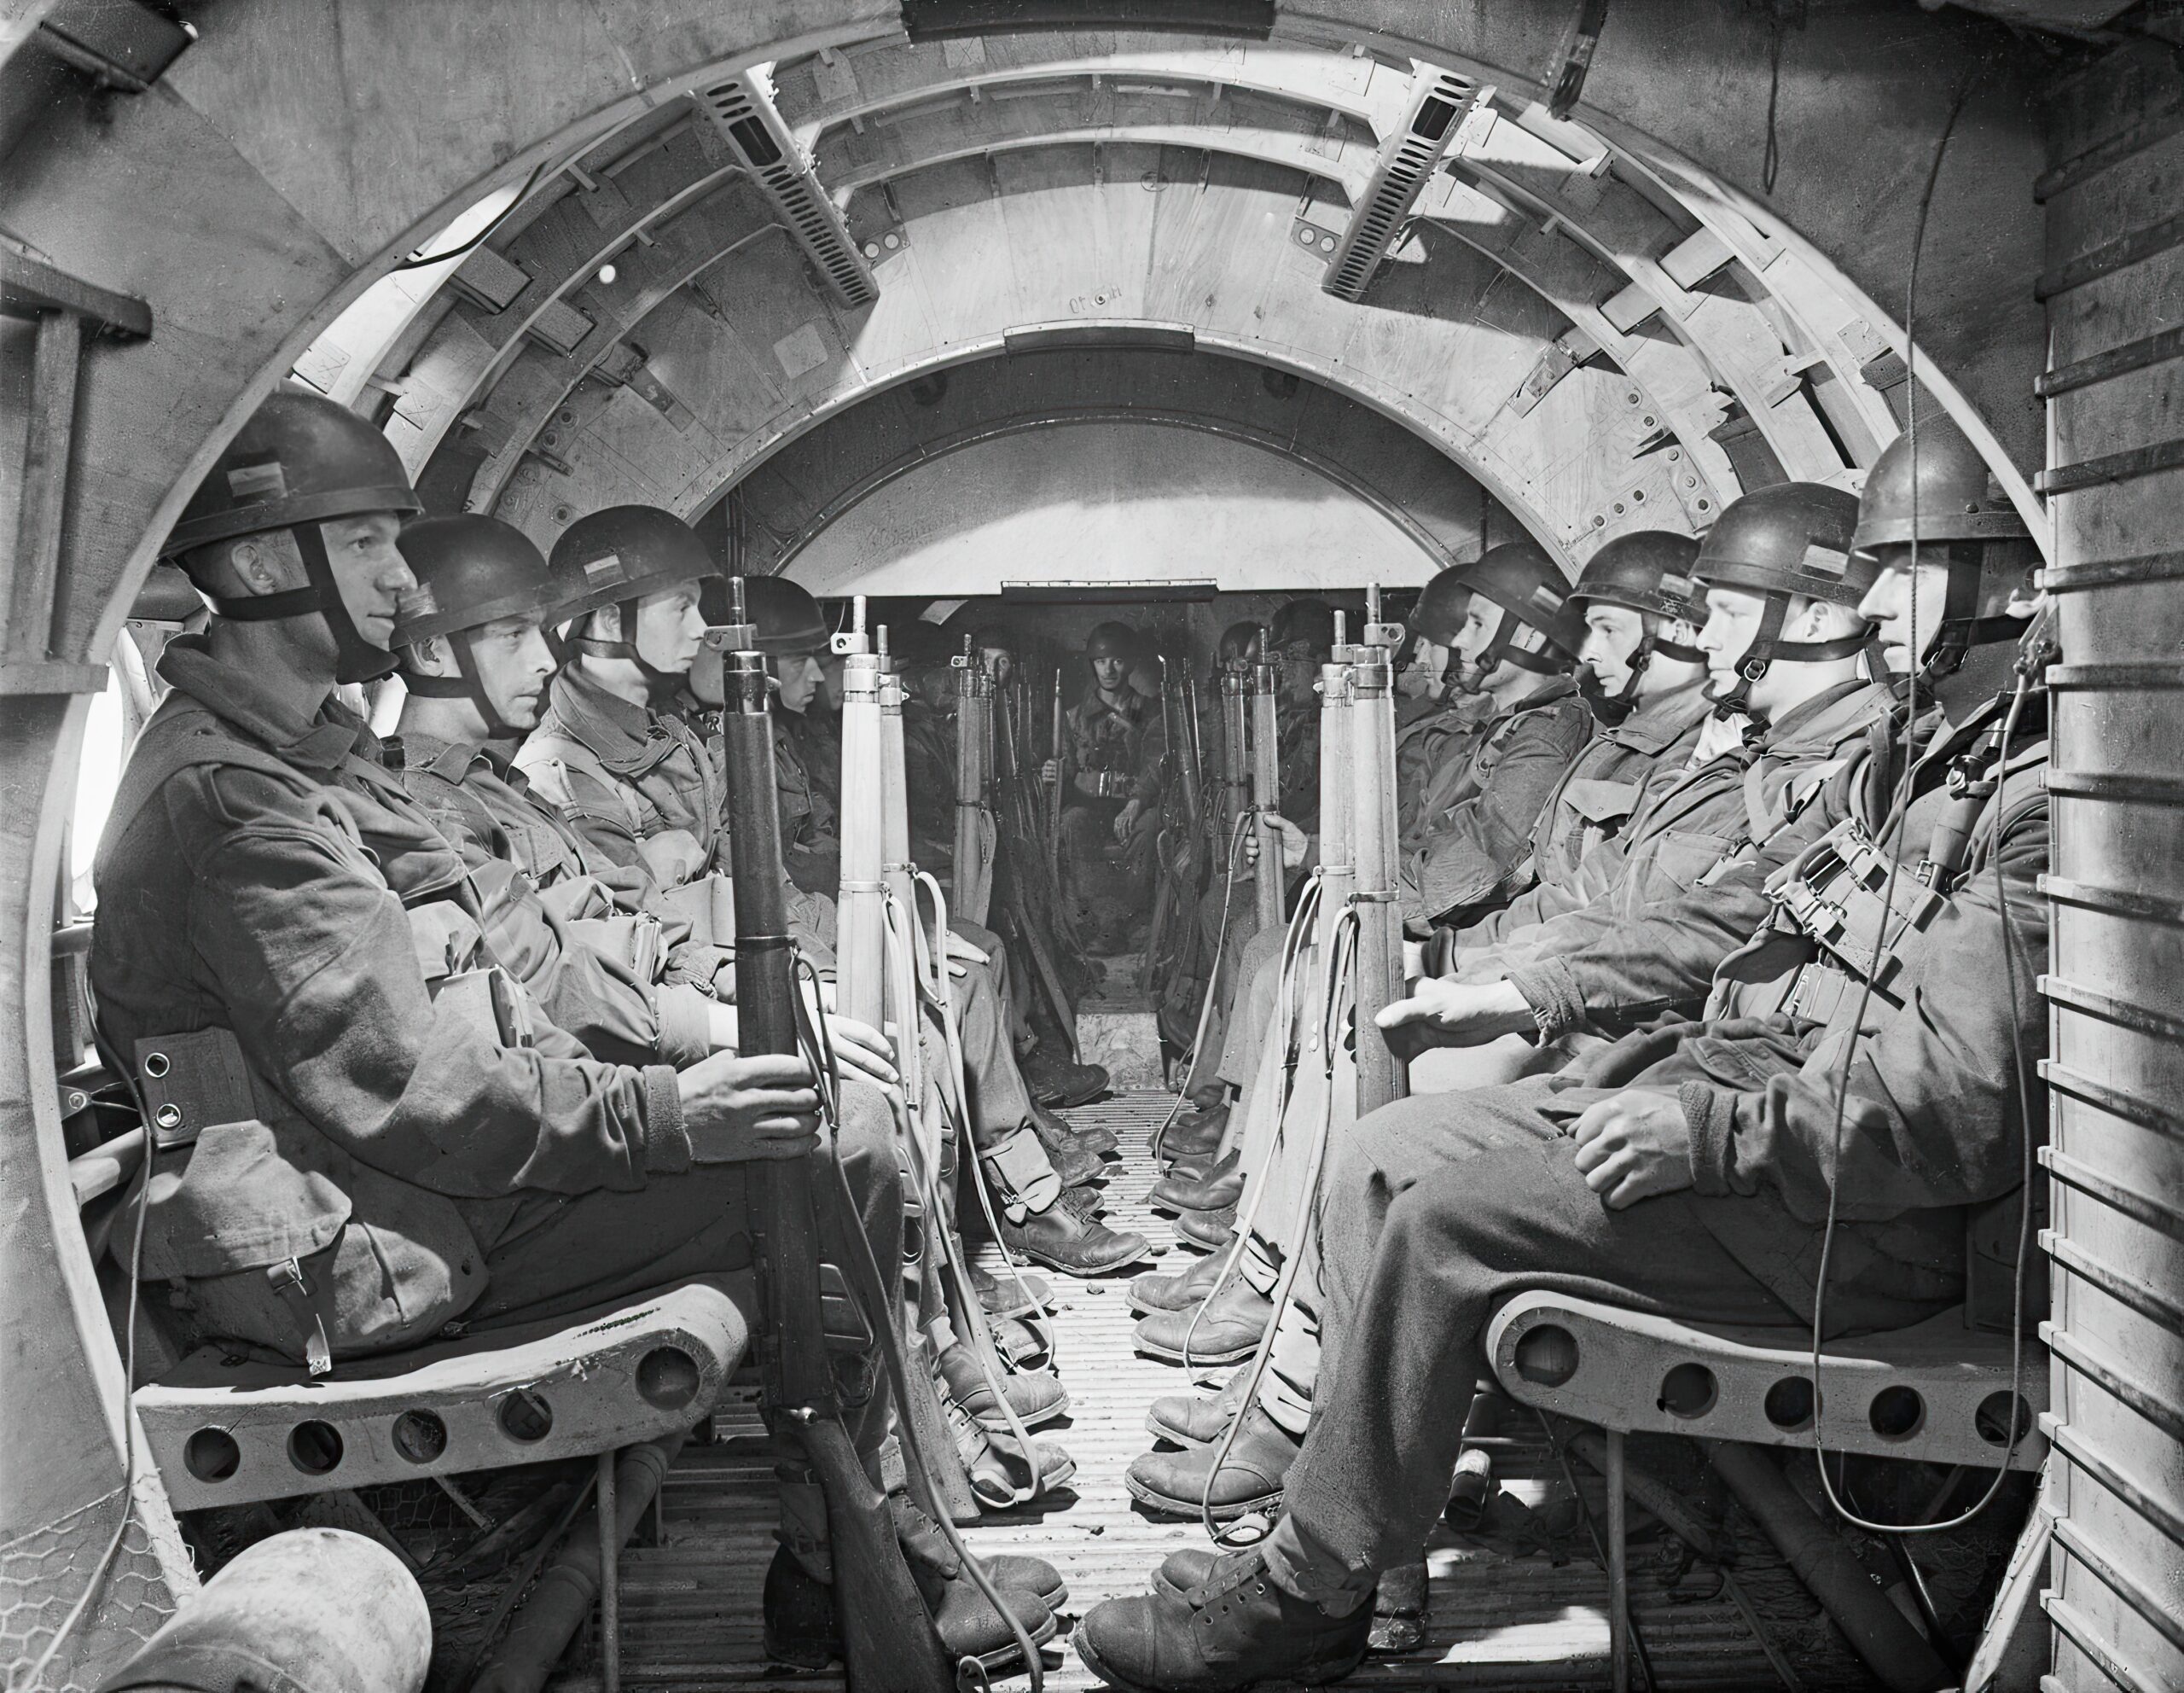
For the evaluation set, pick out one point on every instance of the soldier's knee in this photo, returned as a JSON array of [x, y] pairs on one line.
[[865, 1135]]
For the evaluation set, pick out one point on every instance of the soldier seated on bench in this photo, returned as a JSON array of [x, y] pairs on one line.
[[380, 1160], [1868, 1063]]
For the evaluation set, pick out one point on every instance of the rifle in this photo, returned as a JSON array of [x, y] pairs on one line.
[[1266, 788], [1381, 1078], [1054, 799], [973, 888], [860, 976], [889, 1643]]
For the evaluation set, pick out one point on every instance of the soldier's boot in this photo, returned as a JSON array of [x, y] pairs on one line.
[[1174, 1484], [1088, 1203], [1206, 1230], [1074, 1163], [1233, 1629], [1036, 1396], [1154, 1292], [1222, 1185], [1098, 1142], [1056, 1081], [1187, 1137], [1076, 1246], [1013, 1297], [1226, 1329], [1192, 1420]]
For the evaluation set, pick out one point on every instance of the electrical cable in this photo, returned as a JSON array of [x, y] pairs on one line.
[[818, 1049], [418, 261], [1343, 945], [1281, 1029], [1898, 814], [1237, 834], [104, 1566]]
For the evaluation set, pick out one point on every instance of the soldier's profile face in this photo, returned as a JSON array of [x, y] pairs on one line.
[[1732, 624], [1906, 606], [670, 628], [998, 663], [1612, 637], [369, 569], [514, 664], [800, 677]]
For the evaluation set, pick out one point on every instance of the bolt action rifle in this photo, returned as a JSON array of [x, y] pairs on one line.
[[1266, 788], [890, 1645], [1381, 1077]]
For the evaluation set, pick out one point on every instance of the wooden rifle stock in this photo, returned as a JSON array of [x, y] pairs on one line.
[[1266, 794], [1381, 1078], [889, 1643], [1054, 799]]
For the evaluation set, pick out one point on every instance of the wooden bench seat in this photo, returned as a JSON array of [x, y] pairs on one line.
[[1938, 1391]]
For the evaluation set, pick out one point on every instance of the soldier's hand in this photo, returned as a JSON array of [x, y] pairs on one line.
[[1126, 819], [862, 1050], [1634, 1145], [1296, 845], [1050, 771], [738, 1109], [1454, 1013]]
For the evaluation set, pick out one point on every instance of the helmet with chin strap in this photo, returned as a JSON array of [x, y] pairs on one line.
[[617, 557], [301, 460], [1944, 497], [1532, 593], [787, 619], [1242, 643], [1300, 621], [471, 570], [1113, 640], [1648, 571], [1790, 541]]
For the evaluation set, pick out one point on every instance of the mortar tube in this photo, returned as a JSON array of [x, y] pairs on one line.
[[566, 1593], [1881, 1635]]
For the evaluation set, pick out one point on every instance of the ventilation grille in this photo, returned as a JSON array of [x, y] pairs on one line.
[[755, 133], [1438, 110]]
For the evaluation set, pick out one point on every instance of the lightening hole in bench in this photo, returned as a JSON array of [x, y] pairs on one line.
[[211, 1455], [315, 1447], [1789, 1404], [1689, 1390], [1896, 1413], [1546, 1356], [667, 1376], [1992, 1419], [526, 1416], [419, 1435]]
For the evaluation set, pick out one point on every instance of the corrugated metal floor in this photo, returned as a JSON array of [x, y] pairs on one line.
[[690, 1607]]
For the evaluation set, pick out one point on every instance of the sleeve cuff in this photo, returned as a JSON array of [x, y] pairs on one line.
[[684, 1024], [667, 1141], [1710, 1116], [1552, 992]]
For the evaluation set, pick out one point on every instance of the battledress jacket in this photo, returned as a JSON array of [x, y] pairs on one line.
[[1600, 791], [1641, 927], [396, 1137], [1933, 1119], [557, 926], [645, 790], [1124, 741], [1474, 841]]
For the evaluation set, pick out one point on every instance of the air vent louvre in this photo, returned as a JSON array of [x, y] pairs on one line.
[[753, 131], [1438, 105]]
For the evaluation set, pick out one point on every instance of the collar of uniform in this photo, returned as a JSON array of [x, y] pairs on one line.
[[1660, 723], [450, 760], [237, 698], [606, 723], [1848, 708], [1553, 694]]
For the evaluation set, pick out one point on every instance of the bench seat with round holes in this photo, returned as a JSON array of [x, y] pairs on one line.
[[1937, 1392], [226, 1431]]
